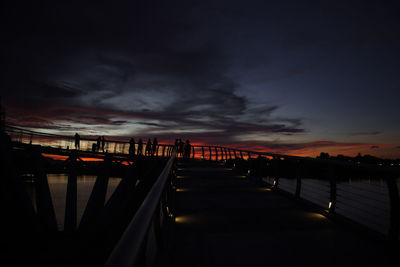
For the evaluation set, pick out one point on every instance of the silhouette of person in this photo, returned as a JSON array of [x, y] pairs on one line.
[[148, 148], [131, 147], [140, 147], [77, 141], [98, 143], [188, 147], [155, 144], [176, 145], [103, 143], [94, 147], [180, 147]]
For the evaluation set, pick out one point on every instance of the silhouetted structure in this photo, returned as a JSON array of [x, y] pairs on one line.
[[262, 177], [324, 155]]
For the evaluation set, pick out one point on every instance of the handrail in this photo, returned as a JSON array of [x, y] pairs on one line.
[[218, 152], [128, 248], [18, 130], [67, 142]]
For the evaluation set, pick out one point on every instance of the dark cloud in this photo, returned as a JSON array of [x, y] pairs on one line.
[[217, 123], [105, 65], [375, 147], [367, 133], [174, 67]]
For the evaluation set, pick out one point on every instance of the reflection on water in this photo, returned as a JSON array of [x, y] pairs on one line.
[[58, 189]]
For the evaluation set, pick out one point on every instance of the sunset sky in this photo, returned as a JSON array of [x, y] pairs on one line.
[[293, 77]]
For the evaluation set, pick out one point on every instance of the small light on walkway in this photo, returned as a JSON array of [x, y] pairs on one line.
[[266, 189], [168, 212], [330, 207], [183, 189]]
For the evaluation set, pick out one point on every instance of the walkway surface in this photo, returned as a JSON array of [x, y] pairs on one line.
[[225, 219]]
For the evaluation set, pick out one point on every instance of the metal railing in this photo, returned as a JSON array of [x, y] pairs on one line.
[[141, 237], [365, 193], [64, 142], [112, 145]]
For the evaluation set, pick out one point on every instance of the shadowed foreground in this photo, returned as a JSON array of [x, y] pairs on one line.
[[225, 219]]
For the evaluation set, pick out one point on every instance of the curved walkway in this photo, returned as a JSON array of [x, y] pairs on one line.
[[224, 219]]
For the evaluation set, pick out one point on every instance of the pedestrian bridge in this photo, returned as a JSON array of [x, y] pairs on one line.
[[219, 207]]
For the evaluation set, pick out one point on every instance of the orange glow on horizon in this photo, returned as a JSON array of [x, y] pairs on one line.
[[60, 157]]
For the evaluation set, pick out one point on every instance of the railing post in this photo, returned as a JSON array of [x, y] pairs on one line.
[[249, 154], [234, 153], [222, 153], [210, 153], [193, 152], [276, 182], [298, 187], [241, 154], [123, 148], [216, 154], [163, 151], [44, 203], [95, 204], [71, 199], [202, 151], [230, 155], [332, 201], [298, 182], [394, 227]]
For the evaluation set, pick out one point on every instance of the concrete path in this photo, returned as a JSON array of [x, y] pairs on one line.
[[224, 219]]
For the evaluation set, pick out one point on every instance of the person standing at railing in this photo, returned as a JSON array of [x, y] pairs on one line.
[[140, 147], [187, 149], [98, 144], [132, 148], [94, 147], [77, 141], [177, 146], [180, 147], [155, 144], [103, 143], [148, 148]]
